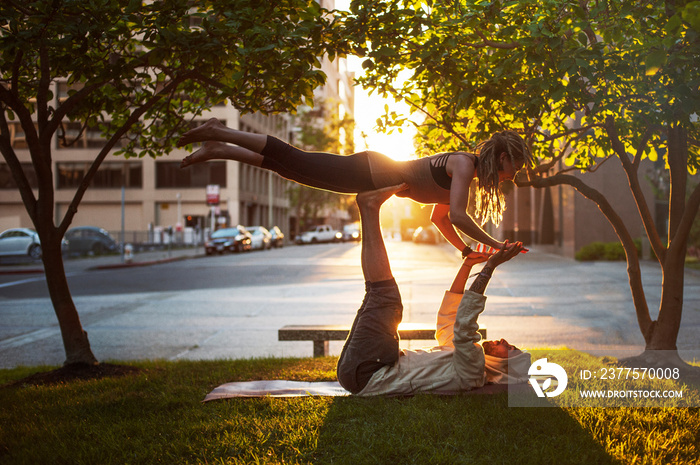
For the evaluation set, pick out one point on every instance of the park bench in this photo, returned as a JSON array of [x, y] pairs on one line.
[[322, 334]]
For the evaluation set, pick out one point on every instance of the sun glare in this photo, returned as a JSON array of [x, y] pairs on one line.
[[397, 145]]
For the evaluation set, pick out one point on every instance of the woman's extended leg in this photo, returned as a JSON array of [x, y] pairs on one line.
[[220, 151], [344, 174], [214, 130]]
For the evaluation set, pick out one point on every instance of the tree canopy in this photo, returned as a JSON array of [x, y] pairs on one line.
[[475, 67], [138, 72], [585, 81], [136, 69]]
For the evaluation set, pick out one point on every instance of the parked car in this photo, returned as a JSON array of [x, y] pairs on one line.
[[407, 234], [351, 232], [321, 233], [19, 242], [90, 240], [236, 239], [277, 237], [261, 237], [427, 235]]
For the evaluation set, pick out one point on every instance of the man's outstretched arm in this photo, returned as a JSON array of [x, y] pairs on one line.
[[444, 332], [460, 281], [506, 252]]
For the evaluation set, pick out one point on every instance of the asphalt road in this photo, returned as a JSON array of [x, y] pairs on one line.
[[231, 306], [277, 266]]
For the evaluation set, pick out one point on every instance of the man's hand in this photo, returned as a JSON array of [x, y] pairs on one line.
[[508, 251], [475, 258]]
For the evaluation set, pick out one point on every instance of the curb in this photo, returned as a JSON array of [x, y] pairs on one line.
[[106, 267], [135, 264], [30, 271]]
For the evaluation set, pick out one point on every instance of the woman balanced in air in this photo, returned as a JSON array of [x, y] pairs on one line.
[[443, 179]]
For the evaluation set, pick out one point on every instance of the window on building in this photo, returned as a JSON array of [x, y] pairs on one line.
[[169, 174], [8, 182], [109, 175], [74, 135], [64, 90], [17, 137]]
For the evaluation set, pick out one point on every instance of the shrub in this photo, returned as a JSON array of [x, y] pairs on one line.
[[590, 252], [611, 251]]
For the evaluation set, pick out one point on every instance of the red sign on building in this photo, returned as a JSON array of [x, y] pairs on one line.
[[213, 194]]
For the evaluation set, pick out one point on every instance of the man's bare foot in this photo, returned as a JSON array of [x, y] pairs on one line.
[[203, 133], [375, 198], [209, 151]]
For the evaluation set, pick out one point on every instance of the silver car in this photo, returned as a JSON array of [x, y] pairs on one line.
[[20, 242], [261, 237]]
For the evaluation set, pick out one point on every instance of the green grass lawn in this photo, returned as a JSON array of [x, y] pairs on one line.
[[157, 416]]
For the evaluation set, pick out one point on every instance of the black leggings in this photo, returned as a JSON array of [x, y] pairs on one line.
[[345, 174]]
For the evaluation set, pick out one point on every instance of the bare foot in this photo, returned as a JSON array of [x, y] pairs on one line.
[[375, 198], [203, 133], [209, 151]]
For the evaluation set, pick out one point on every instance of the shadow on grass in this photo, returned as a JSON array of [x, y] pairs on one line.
[[467, 429]]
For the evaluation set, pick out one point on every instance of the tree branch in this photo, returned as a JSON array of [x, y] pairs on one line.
[[686, 223], [66, 106], [640, 147], [633, 269], [8, 153], [14, 81], [631, 170], [592, 169], [678, 174], [491, 43], [587, 30], [580, 130], [20, 7], [42, 167], [133, 119], [447, 128], [74, 100], [43, 89], [540, 169]]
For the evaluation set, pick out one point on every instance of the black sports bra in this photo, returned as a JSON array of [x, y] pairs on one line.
[[438, 169]]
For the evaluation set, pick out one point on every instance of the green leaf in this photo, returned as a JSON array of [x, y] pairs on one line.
[[691, 14], [655, 61]]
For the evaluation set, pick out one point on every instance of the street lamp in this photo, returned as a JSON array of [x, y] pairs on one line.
[[178, 223]]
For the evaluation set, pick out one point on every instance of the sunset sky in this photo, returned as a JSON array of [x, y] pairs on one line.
[[368, 108]]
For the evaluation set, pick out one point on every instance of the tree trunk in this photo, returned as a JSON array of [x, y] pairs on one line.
[[75, 340], [665, 332]]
